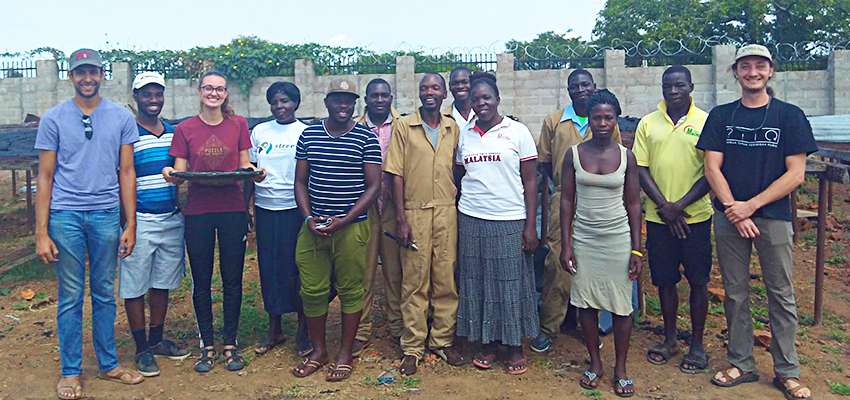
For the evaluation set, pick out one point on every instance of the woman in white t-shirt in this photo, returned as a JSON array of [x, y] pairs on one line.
[[497, 232], [278, 220]]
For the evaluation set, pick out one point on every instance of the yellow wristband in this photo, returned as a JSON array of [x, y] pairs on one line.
[[637, 253]]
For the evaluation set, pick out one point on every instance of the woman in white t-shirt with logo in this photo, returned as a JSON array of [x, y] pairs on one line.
[[497, 232], [278, 220]]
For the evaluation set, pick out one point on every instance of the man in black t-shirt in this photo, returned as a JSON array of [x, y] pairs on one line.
[[755, 155]]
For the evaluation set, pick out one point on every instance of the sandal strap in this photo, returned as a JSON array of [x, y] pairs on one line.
[[625, 382], [343, 367], [793, 391], [728, 377], [590, 375]]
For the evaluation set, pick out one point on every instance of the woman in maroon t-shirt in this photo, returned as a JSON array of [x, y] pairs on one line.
[[214, 140]]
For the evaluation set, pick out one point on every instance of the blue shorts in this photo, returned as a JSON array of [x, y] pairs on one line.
[[158, 260]]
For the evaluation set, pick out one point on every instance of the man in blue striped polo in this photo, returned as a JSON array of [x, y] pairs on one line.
[[156, 265]]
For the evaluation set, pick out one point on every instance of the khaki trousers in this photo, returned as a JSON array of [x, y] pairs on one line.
[[428, 279], [774, 247], [380, 244], [556, 281]]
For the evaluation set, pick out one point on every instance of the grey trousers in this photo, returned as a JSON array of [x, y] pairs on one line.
[[774, 246]]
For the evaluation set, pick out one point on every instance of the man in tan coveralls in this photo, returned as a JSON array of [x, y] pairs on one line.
[[421, 159], [561, 130], [380, 117]]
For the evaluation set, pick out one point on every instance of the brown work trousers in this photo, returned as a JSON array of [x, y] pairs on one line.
[[428, 279], [556, 281], [380, 244]]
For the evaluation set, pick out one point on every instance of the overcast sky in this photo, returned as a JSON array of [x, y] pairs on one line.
[[377, 25]]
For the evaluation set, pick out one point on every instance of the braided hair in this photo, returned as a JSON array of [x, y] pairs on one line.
[[603, 96], [483, 78]]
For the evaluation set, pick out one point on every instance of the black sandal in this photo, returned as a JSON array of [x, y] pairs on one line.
[[268, 344], [207, 360], [661, 349], [233, 361], [303, 345], [701, 363]]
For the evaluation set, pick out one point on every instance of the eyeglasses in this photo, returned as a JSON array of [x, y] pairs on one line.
[[208, 89], [87, 126]]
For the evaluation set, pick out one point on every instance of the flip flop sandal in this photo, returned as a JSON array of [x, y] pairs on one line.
[[345, 369], [77, 388], [622, 383], [744, 378], [701, 363], [790, 394], [593, 378], [120, 377], [267, 345], [662, 350], [513, 368], [305, 365], [479, 360]]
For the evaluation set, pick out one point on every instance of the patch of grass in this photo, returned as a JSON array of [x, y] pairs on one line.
[[805, 361], [758, 324], [716, 309], [803, 332], [544, 363], [809, 238], [761, 312], [835, 366], [836, 247], [653, 305], [832, 350], [684, 308], [31, 271], [837, 334], [560, 374], [294, 391], [217, 297], [595, 393], [711, 324], [839, 388], [759, 290], [836, 259], [808, 320], [682, 287], [409, 382], [637, 319], [832, 318], [23, 305]]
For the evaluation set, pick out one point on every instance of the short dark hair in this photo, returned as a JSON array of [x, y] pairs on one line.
[[457, 69], [442, 80], [579, 72], [673, 69], [483, 78], [603, 96], [287, 88], [377, 81]]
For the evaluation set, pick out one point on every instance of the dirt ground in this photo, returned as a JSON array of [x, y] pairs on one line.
[[29, 358]]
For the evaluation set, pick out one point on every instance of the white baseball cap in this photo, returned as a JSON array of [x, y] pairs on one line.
[[753, 50], [148, 77]]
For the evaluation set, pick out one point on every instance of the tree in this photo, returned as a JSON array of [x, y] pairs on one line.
[[553, 50]]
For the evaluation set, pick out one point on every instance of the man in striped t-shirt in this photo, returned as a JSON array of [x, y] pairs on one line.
[[156, 265], [337, 178]]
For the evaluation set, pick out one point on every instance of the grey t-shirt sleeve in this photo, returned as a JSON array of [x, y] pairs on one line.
[[129, 130], [47, 137]]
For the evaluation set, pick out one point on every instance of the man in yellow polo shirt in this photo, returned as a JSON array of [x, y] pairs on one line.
[[421, 159], [380, 117], [678, 213], [561, 130]]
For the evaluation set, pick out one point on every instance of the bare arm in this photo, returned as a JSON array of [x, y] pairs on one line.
[[458, 171], [794, 175], [568, 197], [632, 197], [528, 172], [45, 249], [127, 184], [180, 165], [245, 163]]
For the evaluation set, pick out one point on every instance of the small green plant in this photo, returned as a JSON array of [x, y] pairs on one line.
[[759, 289], [836, 259], [808, 320], [595, 393], [809, 238], [839, 388], [805, 361], [836, 247], [832, 318], [761, 312], [293, 391], [715, 309], [653, 305], [31, 271], [409, 382], [832, 350], [837, 334], [711, 324], [758, 324], [803, 332], [560, 373], [23, 305], [835, 366]]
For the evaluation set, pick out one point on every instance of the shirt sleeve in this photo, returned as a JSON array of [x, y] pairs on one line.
[[372, 151], [459, 150], [244, 135], [129, 131], [252, 152], [640, 148], [544, 145], [527, 149], [799, 134], [301, 148], [47, 137], [395, 153], [713, 135], [179, 147]]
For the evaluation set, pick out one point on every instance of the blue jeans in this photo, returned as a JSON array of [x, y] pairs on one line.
[[74, 232]]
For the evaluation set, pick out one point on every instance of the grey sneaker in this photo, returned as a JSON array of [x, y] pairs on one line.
[[167, 348], [146, 364], [541, 343]]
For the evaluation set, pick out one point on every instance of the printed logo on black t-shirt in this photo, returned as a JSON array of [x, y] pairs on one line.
[[749, 137]]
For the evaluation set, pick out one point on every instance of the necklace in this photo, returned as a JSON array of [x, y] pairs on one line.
[[766, 110]]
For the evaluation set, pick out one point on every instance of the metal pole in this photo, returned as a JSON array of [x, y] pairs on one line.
[[30, 222], [819, 258], [829, 196], [795, 223], [14, 184]]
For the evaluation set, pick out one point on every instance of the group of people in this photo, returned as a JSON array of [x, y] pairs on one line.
[[444, 200]]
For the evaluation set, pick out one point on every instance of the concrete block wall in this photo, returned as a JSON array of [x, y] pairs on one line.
[[527, 95]]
